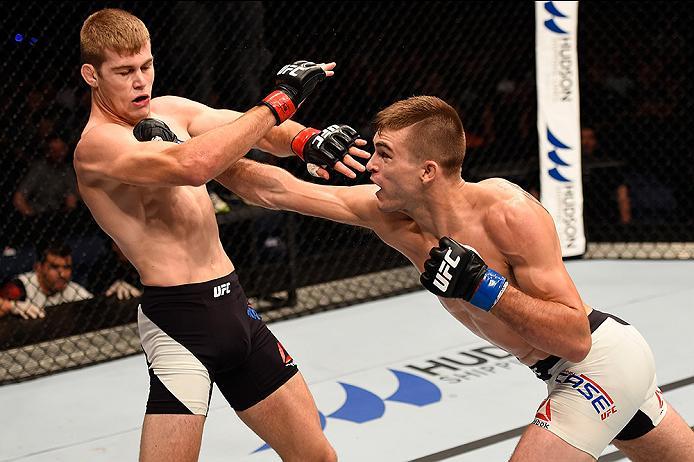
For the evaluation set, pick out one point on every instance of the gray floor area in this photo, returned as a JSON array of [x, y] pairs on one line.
[[95, 414]]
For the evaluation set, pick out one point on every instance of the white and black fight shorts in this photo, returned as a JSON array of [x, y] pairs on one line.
[[611, 394], [194, 335]]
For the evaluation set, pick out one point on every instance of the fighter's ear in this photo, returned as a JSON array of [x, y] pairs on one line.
[[429, 171], [89, 75]]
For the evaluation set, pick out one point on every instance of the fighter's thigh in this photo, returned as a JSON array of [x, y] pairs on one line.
[[171, 437], [671, 440], [540, 444], [288, 421]]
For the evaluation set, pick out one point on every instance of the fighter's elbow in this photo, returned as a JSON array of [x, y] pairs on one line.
[[195, 178], [191, 173], [583, 341], [191, 177], [580, 350]]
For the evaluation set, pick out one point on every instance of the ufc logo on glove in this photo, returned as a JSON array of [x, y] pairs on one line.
[[290, 69], [320, 138], [443, 276], [466, 276]]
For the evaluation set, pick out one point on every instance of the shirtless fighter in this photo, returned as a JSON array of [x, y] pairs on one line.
[[491, 254], [195, 324]]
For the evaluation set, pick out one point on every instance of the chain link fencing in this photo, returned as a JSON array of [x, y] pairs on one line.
[[478, 56]]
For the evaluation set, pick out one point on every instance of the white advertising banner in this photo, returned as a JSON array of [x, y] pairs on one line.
[[558, 121]]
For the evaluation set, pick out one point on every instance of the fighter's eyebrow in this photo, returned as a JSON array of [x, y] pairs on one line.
[[128, 66], [382, 145]]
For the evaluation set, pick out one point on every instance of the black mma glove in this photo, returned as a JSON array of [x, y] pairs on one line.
[[154, 130], [457, 271], [324, 148], [294, 83]]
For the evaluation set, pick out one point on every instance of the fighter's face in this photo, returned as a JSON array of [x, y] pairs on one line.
[[125, 83], [394, 169]]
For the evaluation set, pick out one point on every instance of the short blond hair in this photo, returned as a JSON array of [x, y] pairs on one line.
[[438, 133], [112, 29]]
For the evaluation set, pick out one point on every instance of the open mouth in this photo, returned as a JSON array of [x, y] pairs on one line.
[[141, 99]]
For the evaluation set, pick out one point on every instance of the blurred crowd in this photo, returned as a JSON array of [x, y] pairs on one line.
[[635, 138]]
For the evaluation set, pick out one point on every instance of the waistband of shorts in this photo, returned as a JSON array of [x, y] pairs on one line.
[[190, 289], [543, 368]]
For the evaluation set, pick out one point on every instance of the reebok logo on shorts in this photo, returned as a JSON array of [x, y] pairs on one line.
[[286, 357], [544, 414], [222, 289]]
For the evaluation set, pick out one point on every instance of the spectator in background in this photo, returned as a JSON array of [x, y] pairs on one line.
[[38, 96], [45, 126], [116, 276], [49, 284], [49, 186], [605, 191], [45, 199]]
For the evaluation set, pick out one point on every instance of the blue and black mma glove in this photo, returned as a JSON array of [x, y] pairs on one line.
[[294, 83], [154, 130], [457, 271], [324, 147]]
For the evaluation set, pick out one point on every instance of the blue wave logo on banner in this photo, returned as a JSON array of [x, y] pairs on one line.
[[362, 405], [554, 157], [552, 9]]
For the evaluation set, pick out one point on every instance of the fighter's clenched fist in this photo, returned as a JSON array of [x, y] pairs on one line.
[[294, 83], [457, 271]]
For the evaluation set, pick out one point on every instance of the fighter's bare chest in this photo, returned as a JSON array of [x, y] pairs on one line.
[[416, 247], [180, 203]]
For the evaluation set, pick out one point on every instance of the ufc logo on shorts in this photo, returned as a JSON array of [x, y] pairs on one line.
[[443, 276], [222, 289]]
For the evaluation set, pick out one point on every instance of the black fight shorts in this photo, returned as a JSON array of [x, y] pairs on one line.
[[195, 335]]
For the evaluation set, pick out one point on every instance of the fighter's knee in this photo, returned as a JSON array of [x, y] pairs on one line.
[[326, 453], [315, 453], [331, 455]]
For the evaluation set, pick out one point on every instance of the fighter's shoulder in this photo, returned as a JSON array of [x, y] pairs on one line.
[[402, 233], [511, 210], [503, 194], [97, 138], [362, 200], [170, 104], [397, 223], [364, 192], [167, 101]]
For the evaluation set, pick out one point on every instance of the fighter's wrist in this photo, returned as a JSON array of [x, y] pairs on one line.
[[281, 105], [489, 291], [301, 139]]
